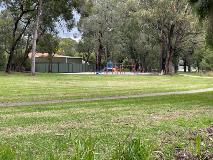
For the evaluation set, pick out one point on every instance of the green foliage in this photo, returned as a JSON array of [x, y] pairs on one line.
[[5, 26], [203, 7], [207, 61], [144, 32], [49, 43], [209, 36], [86, 48], [67, 46], [2, 61], [23, 15]]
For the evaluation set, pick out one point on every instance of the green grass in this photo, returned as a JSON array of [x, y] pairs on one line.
[[43, 87], [128, 129], [118, 129]]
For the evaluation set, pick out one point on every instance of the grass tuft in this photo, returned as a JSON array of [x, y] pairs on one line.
[[134, 149], [7, 153]]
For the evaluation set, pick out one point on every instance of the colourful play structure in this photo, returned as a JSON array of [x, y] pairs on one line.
[[119, 68]]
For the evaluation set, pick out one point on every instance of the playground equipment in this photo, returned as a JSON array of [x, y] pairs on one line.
[[120, 68]]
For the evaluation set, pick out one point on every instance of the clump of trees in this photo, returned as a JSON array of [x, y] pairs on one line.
[[156, 34], [24, 23]]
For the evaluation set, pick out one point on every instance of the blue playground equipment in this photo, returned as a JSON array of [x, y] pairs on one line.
[[109, 66]]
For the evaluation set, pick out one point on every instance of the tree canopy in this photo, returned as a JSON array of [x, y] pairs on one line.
[[157, 35]]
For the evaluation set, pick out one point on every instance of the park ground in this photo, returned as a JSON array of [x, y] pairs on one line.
[[158, 127]]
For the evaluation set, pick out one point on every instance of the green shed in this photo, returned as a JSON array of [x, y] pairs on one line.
[[62, 64]]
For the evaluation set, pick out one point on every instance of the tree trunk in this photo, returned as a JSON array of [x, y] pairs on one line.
[[169, 68], [50, 63], [189, 68], [99, 53], [99, 59], [35, 36], [144, 64], [16, 39], [13, 47], [162, 59], [185, 65], [10, 59], [176, 68], [198, 66]]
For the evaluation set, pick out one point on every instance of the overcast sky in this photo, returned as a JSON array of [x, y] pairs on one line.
[[74, 34]]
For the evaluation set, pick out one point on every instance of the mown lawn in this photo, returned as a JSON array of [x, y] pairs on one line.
[[43, 87], [164, 125], [136, 128]]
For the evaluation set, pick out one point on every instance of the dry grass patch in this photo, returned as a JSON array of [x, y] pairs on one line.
[[54, 128]]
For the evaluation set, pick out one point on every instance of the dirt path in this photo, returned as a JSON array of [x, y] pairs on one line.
[[10, 104]]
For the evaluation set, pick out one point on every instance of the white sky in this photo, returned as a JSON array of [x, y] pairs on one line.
[[74, 33]]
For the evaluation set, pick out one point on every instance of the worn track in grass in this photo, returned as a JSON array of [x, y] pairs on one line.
[[194, 76], [13, 104]]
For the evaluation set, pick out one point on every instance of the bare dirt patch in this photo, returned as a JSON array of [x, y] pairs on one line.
[[125, 120], [171, 115], [204, 153]]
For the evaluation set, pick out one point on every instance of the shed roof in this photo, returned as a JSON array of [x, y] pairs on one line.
[[45, 55]]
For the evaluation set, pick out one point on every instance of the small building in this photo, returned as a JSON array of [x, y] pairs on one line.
[[61, 64]]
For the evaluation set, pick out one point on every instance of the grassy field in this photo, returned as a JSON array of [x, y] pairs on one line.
[[43, 87], [164, 127]]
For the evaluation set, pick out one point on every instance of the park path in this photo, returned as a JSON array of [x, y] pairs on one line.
[[16, 104], [186, 75]]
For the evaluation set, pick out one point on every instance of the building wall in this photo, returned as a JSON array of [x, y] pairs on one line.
[[65, 67], [59, 60]]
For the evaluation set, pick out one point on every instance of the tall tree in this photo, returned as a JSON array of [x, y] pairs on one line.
[[204, 9], [35, 35]]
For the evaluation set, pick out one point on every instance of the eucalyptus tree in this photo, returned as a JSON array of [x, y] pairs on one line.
[[204, 9], [6, 32], [100, 28], [139, 42], [172, 23], [24, 16], [152, 32]]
